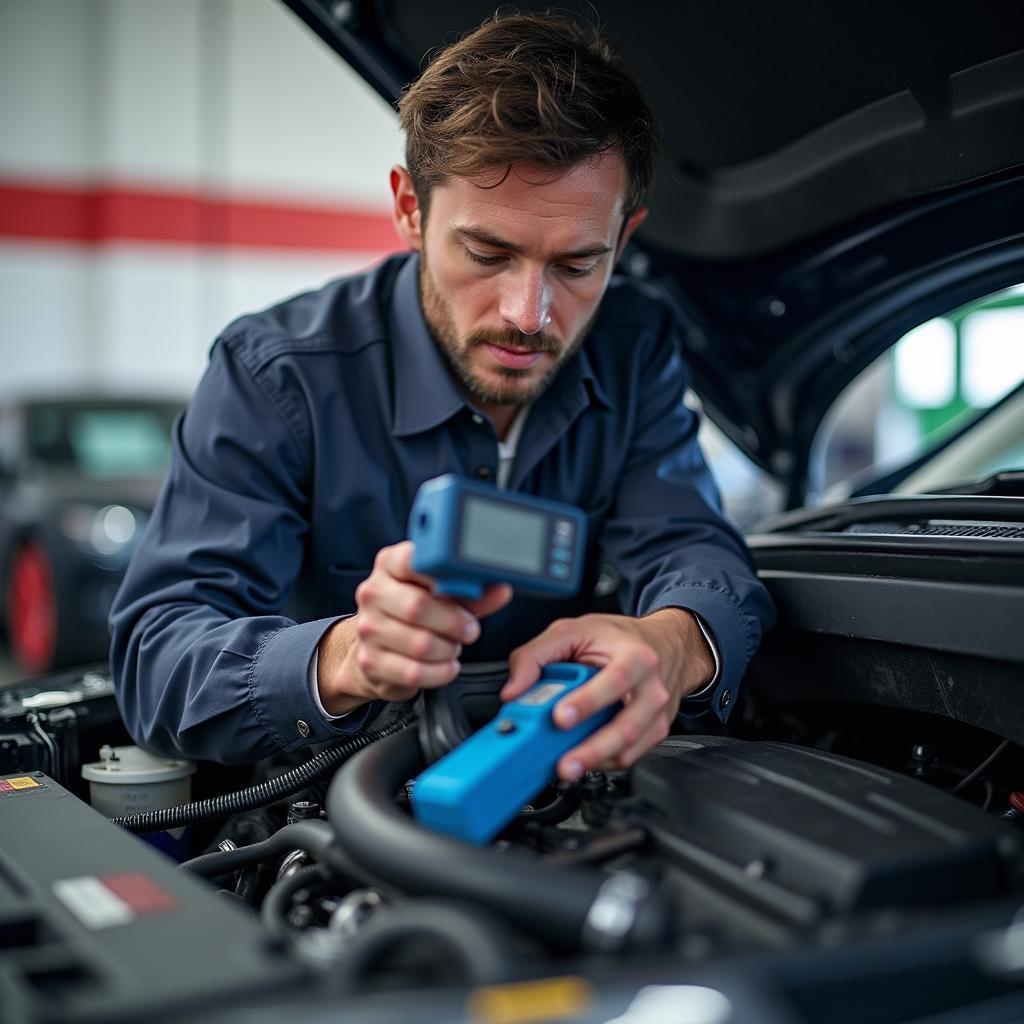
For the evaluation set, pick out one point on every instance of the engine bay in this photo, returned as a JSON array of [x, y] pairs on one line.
[[754, 877]]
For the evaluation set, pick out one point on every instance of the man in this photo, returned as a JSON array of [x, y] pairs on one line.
[[501, 348]]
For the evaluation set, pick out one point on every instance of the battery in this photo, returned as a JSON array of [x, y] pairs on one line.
[[96, 925]]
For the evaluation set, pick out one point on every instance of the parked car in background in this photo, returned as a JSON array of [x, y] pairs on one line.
[[79, 474]]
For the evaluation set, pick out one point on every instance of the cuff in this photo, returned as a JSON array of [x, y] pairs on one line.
[[720, 616], [314, 688], [280, 694], [708, 688]]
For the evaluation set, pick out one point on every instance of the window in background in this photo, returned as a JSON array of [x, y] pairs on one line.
[[749, 494], [933, 381]]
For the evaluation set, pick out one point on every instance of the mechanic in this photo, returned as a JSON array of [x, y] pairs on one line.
[[500, 347]]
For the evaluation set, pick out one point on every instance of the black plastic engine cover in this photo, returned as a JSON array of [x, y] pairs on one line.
[[807, 835]]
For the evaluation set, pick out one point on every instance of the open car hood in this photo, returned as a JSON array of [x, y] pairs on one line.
[[825, 167]]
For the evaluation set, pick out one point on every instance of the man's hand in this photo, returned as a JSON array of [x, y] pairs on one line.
[[649, 664], [402, 639]]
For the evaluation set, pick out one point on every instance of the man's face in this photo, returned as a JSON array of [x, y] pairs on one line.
[[512, 275]]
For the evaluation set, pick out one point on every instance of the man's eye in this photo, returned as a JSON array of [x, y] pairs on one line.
[[487, 261], [578, 271]]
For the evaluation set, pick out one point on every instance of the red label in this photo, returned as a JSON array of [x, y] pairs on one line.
[[6, 787], [142, 894]]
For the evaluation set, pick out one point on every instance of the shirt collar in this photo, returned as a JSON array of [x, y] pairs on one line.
[[426, 393]]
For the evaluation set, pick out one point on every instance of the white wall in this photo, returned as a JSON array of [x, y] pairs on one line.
[[230, 99]]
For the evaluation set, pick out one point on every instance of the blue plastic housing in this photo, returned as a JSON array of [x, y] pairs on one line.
[[468, 535], [478, 788]]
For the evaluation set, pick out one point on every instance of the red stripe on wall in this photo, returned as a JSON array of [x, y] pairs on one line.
[[100, 214]]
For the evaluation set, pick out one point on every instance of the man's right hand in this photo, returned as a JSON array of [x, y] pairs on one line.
[[402, 638]]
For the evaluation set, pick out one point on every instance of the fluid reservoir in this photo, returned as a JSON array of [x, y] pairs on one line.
[[129, 780]]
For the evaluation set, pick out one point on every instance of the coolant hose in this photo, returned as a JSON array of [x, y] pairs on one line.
[[315, 837], [263, 793], [565, 907]]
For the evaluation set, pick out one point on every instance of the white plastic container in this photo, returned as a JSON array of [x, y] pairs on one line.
[[128, 780]]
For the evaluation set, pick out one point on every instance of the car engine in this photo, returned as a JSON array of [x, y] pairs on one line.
[[783, 880]]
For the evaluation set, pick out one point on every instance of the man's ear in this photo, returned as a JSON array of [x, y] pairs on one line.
[[632, 222], [406, 208]]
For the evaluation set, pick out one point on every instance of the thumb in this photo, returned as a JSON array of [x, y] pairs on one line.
[[526, 663]]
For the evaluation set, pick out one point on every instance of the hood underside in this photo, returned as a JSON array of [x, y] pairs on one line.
[[815, 154], [780, 120]]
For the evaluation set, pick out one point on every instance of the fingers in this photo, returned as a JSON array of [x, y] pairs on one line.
[[411, 602], [494, 597], [399, 637], [559, 642], [396, 677], [641, 724], [408, 638], [625, 672]]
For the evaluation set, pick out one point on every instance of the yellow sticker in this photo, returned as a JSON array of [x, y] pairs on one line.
[[24, 782], [549, 999]]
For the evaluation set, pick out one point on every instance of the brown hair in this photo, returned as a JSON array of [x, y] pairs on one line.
[[536, 88]]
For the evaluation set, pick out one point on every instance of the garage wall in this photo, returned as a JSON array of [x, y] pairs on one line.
[[164, 168]]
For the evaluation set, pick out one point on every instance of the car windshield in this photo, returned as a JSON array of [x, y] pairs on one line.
[[103, 441], [937, 382]]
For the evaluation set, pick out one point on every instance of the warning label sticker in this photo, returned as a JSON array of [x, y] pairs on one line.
[[113, 899], [141, 893], [18, 783]]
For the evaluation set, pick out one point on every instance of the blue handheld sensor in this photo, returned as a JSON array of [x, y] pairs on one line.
[[468, 535], [478, 788]]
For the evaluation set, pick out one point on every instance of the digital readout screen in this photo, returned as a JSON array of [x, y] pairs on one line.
[[506, 538]]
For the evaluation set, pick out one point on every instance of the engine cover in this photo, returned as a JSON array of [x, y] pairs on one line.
[[808, 835]]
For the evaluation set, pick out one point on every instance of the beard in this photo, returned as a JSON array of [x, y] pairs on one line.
[[510, 388]]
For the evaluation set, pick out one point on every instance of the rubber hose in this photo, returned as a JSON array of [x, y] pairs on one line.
[[264, 793], [274, 912], [480, 943], [315, 837], [564, 804], [550, 904]]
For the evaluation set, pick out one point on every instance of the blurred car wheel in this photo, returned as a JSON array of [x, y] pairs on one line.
[[32, 614]]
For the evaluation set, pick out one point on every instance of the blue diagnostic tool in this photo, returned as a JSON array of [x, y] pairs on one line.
[[468, 535], [478, 788]]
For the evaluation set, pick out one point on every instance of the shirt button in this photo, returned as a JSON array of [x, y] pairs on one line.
[[303, 727], [478, 419], [725, 700], [484, 472]]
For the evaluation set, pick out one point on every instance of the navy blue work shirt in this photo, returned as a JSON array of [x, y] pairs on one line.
[[298, 459]]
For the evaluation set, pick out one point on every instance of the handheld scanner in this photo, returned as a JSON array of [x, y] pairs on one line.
[[473, 792], [468, 535]]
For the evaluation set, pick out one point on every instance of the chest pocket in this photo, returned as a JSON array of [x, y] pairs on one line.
[[342, 583]]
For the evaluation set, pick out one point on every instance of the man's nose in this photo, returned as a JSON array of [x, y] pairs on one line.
[[526, 302]]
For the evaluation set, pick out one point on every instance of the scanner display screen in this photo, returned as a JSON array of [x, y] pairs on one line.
[[506, 538]]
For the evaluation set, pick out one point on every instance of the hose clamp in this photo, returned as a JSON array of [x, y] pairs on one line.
[[614, 911], [293, 862]]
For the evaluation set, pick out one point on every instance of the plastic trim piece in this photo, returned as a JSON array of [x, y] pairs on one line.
[[963, 618]]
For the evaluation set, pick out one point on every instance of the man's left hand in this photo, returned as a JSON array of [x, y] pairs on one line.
[[649, 664]]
